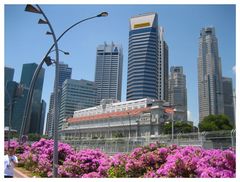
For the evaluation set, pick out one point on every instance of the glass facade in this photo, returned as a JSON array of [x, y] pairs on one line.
[[65, 72], [35, 114], [76, 95], [145, 59], [8, 75], [108, 72], [178, 92], [209, 75], [228, 99]]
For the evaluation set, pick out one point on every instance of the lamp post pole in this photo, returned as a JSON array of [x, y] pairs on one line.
[[56, 81], [172, 127], [26, 113], [25, 122]]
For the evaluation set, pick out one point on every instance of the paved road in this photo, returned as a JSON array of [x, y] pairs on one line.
[[18, 174]]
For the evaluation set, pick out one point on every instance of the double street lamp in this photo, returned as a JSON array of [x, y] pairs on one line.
[[26, 115]]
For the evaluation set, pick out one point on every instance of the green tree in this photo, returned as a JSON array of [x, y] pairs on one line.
[[179, 127], [215, 123], [34, 137]]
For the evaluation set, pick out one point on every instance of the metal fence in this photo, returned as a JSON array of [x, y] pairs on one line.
[[207, 140]]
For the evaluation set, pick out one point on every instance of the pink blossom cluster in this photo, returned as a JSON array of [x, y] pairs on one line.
[[152, 161], [38, 157], [86, 164], [181, 162]]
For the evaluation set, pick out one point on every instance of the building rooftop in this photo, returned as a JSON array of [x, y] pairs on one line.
[[133, 112]]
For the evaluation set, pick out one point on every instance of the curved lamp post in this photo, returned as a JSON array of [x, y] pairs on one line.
[[25, 122]]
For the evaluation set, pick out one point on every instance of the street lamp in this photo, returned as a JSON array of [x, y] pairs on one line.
[[49, 61], [37, 9], [64, 52]]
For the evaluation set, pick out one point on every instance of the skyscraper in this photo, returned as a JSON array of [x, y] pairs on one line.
[[178, 92], [26, 77], [8, 74], [65, 72], [209, 75], [108, 72], [162, 67], [10, 99], [19, 99], [9, 92], [228, 99], [147, 59], [76, 95], [42, 118]]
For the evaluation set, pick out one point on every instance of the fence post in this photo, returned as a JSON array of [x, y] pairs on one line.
[[232, 136]]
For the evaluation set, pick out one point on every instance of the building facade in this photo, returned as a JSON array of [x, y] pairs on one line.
[[228, 97], [178, 91], [209, 75], [147, 59], [65, 72], [18, 94], [33, 126], [42, 119], [8, 75], [9, 92], [9, 99], [143, 117], [76, 95], [108, 71]]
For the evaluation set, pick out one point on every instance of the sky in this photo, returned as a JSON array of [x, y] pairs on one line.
[[26, 41]]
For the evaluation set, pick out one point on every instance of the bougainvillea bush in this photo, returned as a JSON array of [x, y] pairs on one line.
[[86, 163], [38, 157], [152, 161], [174, 161]]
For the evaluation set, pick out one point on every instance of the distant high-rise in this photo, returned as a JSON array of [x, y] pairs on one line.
[[20, 100], [108, 72], [178, 92], [147, 59], [50, 117], [8, 75], [9, 91], [26, 77], [65, 72], [228, 99], [209, 75], [162, 67], [42, 118], [76, 95]]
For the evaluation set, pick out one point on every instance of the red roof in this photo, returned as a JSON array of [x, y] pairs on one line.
[[133, 112]]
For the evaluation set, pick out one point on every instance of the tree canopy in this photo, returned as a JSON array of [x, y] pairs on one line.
[[215, 123], [179, 127]]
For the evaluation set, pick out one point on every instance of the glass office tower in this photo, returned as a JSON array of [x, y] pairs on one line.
[[147, 59], [108, 72], [209, 75]]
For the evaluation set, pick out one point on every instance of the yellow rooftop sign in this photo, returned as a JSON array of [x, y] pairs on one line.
[[140, 25]]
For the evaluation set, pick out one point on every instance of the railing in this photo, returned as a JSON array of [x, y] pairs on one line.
[[207, 140]]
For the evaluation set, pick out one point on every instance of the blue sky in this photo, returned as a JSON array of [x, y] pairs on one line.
[[26, 42]]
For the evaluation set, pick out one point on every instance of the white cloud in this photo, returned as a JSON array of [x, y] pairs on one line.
[[234, 69]]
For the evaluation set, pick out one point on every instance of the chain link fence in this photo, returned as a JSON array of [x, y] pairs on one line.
[[207, 140]]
